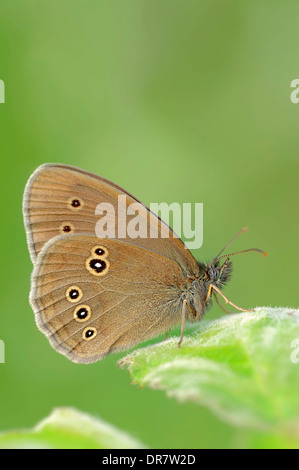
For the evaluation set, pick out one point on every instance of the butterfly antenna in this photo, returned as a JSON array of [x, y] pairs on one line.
[[243, 251], [244, 229]]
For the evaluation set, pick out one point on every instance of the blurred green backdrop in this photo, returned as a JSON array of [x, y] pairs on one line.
[[174, 100]]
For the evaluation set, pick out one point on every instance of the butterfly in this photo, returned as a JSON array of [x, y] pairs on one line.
[[93, 296]]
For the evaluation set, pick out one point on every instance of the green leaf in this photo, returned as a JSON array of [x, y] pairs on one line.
[[67, 428], [239, 366]]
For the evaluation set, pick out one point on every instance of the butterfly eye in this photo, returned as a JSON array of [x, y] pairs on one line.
[[213, 273], [100, 251], [74, 294], [75, 203], [66, 227], [82, 313], [97, 266], [89, 333]]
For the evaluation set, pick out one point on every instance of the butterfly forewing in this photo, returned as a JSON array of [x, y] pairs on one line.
[[62, 200]]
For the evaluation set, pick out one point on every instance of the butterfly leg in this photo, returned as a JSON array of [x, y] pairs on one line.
[[183, 322], [209, 292], [220, 305], [228, 301]]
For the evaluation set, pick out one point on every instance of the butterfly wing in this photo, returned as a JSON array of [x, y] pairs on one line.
[[60, 199], [92, 296]]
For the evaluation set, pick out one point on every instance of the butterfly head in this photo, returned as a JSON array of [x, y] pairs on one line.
[[218, 274], [215, 275]]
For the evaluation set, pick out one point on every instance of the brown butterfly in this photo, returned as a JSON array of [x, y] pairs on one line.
[[95, 296]]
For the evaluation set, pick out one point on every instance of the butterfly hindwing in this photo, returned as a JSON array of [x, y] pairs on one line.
[[93, 296]]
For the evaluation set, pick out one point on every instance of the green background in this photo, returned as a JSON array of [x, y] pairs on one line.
[[184, 101]]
